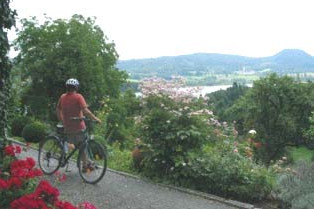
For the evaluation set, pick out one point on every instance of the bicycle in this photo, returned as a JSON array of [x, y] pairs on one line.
[[91, 159]]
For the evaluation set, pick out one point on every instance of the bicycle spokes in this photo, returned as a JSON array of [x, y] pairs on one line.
[[92, 162], [49, 155]]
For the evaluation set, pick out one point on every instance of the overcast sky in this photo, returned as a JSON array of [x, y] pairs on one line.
[[153, 28]]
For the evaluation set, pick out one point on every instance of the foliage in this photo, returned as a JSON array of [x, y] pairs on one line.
[[221, 100], [56, 50], [309, 133], [295, 188], [15, 107], [118, 114], [119, 159], [301, 153], [183, 143], [278, 108], [19, 123], [190, 148], [34, 132], [169, 130], [224, 171], [7, 20]]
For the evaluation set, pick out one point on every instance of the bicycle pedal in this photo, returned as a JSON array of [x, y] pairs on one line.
[[63, 164]]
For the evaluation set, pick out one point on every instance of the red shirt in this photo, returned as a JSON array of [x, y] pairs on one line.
[[71, 105]]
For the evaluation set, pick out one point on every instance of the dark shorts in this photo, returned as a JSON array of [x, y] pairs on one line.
[[76, 138]]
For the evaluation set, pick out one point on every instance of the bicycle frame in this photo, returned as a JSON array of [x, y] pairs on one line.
[[91, 155], [62, 139]]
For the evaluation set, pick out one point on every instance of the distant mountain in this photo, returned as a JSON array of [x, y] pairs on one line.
[[286, 61]]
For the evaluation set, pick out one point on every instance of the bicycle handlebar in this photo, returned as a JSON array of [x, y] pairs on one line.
[[78, 118], [83, 118]]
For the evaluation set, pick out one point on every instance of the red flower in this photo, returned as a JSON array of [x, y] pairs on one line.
[[9, 150], [3, 184], [47, 192], [31, 162], [65, 205], [24, 169], [15, 182], [35, 173], [18, 149], [29, 202]]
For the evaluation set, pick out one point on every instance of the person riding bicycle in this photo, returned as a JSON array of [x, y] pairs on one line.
[[72, 105]]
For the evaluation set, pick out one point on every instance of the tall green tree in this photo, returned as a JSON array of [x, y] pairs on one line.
[[221, 100], [52, 52], [278, 108], [7, 20]]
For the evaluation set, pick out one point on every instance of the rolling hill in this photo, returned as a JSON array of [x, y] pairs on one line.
[[286, 61]]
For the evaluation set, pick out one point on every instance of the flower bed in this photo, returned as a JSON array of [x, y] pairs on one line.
[[19, 187]]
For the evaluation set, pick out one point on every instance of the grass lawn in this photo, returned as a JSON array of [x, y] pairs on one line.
[[301, 153]]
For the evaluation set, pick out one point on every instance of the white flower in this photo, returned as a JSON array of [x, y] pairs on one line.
[[168, 121], [184, 164], [253, 132]]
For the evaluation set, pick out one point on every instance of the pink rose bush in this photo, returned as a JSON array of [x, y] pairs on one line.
[[183, 142]]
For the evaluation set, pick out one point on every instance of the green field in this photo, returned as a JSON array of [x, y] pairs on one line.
[[301, 153]]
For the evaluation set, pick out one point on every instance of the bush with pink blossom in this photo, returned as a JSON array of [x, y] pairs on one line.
[[183, 142]]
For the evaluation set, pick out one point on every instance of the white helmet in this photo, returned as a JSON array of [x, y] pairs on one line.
[[72, 82]]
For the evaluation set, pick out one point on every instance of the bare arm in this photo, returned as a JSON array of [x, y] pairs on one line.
[[59, 114], [87, 112]]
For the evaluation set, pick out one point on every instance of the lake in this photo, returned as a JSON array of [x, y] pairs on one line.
[[203, 90]]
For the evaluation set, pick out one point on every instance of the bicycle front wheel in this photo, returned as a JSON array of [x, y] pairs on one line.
[[50, 155], [92, 162]]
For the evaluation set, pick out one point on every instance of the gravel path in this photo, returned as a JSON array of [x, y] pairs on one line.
[[116, 191]]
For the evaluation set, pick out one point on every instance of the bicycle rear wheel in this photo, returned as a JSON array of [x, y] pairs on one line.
[[50, 155], [92, 162]]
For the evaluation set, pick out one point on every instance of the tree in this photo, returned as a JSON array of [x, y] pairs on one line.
[[278, 108], [7, 20], [221, 100], [56, 50]]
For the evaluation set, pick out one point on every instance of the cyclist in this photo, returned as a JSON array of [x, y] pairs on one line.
[[72, 104]]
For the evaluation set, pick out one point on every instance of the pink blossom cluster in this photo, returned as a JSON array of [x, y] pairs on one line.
[[172, 88], [202, 112]]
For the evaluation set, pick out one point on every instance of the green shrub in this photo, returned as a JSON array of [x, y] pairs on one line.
[[34, 132], [168, 134], [185, 145], [100, 139], [120, 160], [296, 188], [229, 175], [18, 124]]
